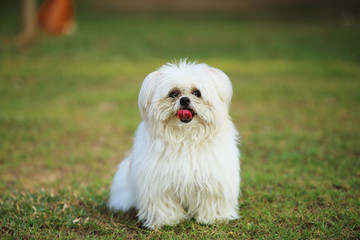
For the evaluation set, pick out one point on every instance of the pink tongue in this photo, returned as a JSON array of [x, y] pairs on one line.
[[184, 114]]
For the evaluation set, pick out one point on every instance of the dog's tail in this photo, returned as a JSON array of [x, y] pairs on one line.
[[122, 193]]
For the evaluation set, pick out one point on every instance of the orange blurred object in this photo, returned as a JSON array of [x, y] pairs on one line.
[[57, 17]]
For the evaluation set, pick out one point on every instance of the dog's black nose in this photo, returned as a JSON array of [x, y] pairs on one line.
[[184, 101]]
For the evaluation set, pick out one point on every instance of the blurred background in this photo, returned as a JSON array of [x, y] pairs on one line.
[[70, 73], [69, 88]]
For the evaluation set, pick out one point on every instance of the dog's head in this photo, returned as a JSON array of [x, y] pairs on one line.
[[185, 95]]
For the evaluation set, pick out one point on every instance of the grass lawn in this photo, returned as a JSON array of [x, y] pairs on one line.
[[68, 112]]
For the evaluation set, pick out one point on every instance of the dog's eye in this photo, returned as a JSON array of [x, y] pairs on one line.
[[173, 94], [197, 93]]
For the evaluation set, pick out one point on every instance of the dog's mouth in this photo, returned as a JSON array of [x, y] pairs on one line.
[[185, 115]]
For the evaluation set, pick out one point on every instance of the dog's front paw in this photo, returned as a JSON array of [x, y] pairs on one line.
[[159, 222], [209, 220]]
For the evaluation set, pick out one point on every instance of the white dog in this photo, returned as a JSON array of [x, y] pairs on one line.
[[185, 158]]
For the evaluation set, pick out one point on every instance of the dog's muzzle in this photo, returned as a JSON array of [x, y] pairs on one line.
[[185, 113]]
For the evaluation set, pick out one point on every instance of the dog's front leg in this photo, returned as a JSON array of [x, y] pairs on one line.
[[216, 209], [160, 210]]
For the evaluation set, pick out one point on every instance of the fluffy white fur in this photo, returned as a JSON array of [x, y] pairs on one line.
[[180, 170]]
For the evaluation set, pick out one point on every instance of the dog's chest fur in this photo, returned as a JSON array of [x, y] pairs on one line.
[[189, 173], [185, 170]]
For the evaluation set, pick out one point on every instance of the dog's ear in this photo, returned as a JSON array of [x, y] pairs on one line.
[[223, 85], [146, 90]]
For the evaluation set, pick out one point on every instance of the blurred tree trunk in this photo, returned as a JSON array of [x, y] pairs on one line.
[[28, 14]]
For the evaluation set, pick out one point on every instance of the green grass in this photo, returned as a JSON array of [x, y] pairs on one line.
[[68, 112]]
